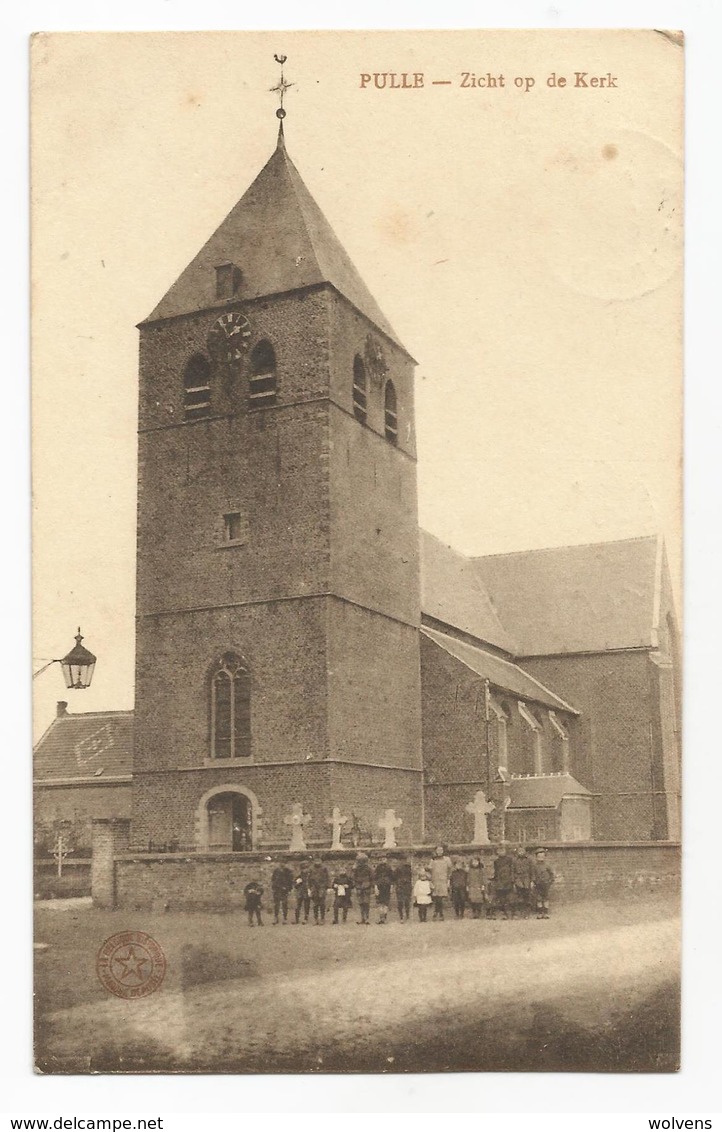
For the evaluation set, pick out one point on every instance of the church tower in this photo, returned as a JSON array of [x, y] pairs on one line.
[[278, 576]]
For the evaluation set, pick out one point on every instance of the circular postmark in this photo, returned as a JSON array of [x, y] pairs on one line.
[[131, 965]]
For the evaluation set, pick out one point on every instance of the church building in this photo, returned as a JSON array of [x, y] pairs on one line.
[[302, 645]]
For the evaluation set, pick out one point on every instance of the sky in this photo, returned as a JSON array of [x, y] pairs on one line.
[[524, 242]]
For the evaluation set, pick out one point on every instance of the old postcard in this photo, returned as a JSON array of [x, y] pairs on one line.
[[357, 418]]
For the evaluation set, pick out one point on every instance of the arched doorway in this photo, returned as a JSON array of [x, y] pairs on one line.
[[228, 820]]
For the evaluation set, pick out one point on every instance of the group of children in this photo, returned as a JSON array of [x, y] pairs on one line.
[[519, 884]]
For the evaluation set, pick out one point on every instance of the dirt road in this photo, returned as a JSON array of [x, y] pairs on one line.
[[462, 996]]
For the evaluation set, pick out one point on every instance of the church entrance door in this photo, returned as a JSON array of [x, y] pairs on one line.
[[230, 823]]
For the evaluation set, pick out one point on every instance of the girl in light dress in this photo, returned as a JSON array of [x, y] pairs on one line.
[[422, 894]]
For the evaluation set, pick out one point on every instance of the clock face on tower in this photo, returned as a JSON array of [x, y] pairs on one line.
[[228, 337]]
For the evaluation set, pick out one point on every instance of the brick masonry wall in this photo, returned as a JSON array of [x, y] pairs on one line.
[[165, 806], [172, 881], [110, 837], [612, 751], [374, 688], [368, 791], [284, 646]]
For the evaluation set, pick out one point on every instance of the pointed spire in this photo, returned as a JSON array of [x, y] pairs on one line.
[[281, 143]]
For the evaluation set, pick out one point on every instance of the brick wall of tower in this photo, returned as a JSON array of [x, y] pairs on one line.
[[165, 806], [284, 647], [367, 791], [269, 465], [297, 325], [374, 689]]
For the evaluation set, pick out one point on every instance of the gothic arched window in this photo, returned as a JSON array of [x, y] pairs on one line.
[[263, 374], [359, 390], [231, 709], [391, 420], [197, 388]]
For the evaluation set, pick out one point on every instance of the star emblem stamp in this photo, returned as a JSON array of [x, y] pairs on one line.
[[131, 965]]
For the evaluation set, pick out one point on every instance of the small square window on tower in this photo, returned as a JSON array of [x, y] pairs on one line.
[[235, 528], [228, 280]]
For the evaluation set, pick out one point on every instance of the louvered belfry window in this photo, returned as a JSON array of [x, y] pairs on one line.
[[359, 390], [197, 388], [231, 709], [391, 420], [263, 384]]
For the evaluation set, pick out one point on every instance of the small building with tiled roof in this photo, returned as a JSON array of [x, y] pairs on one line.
[[82, 769]]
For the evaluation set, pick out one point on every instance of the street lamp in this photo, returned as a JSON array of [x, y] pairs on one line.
[[78, 666]]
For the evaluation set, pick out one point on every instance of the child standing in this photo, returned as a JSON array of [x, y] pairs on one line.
[[254, 893], [543, 880], [342, 885], [302, 892], [318, 886], [404, 883], [422, 895], [281, 885], [476, 887], [522, 881], [383, 879], [440, 873], [503, 881], [363, 883], [458, 882]]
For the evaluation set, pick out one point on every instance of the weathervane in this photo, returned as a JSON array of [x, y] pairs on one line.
[[281, 88]]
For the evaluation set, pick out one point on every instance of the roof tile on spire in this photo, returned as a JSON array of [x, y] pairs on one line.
[[281, 241]]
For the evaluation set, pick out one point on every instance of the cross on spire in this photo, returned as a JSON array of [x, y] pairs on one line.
[[280, 88]]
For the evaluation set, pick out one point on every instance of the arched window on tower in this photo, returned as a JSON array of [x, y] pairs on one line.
[[359, 390], [391, 420], [197, 388], [231, 709], [263, 375]]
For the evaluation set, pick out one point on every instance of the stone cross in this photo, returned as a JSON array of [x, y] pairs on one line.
[[480, 808], [389, 823], [297, 819], [338, 821]]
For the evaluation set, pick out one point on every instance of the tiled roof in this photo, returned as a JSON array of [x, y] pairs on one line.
[[81, 746], [500, 673], [572, 599], [453, 592], [543, 791], [281, 241]]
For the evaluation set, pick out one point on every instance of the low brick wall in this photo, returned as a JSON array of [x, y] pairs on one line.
[[216, 880]]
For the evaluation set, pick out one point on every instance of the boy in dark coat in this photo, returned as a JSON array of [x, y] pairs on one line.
[[281, 885], [403, 881], [302, 893], [475, 886], [503, 882], [254, 893], [383, 879], [458, 885], [342, 885], [363, 883], [523, 867], [318, 882], [543, 876]]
